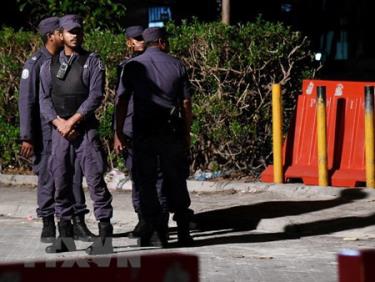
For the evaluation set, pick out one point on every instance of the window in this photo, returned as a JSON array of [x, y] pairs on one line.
[[157, 16]]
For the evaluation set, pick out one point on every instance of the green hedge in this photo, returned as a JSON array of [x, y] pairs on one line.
[[231, 71]]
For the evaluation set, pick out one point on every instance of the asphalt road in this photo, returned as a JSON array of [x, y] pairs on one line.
[[285, 234]]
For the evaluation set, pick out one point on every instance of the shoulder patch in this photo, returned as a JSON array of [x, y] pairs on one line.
[[25, 74]]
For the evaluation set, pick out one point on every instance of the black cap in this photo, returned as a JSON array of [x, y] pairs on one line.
[[134, 31], [152, 34], [48, 25], [69, 22]]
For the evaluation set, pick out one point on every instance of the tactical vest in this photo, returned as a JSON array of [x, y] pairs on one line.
[[68, 94]]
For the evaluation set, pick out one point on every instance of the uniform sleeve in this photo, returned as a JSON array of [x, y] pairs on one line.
[[119, 91], [27, 95], [120, 87], [46, 106], [131, 71], [96, 87]]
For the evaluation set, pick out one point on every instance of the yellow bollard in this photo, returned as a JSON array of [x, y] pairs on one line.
[[322, 136], [369, 135], [277, 125]]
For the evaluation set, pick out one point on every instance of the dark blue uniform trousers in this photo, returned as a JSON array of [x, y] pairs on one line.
[[160, 189], [46, 187], [86, 151], [168, 152]]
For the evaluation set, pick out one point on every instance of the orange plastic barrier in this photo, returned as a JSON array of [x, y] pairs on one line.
[[351, 168], [144, 267], [345, 136], [356, 266]]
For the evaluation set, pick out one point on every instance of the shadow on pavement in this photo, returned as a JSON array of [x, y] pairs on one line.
[[246, 218], [295, 231]]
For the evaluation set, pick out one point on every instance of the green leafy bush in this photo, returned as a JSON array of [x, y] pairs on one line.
[[231, 69], [8, 145]]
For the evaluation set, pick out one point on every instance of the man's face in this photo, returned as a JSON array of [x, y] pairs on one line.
[[136, 44], [56, 38], [73, 38]]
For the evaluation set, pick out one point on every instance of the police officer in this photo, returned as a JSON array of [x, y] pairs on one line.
[[36, 137], [135, 43], [161, 134], [71, 89]]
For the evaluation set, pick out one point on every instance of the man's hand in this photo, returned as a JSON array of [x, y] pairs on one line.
[[27, 149], [119, 143], [65, 128], [73, 134], [62, 125]]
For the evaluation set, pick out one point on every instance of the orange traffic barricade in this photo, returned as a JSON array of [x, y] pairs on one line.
[[345, 136], [300, 157]]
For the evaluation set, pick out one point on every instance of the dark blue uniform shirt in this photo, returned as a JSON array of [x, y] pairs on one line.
[[127, 129], [93, 77], [158, 82], [32, 126]]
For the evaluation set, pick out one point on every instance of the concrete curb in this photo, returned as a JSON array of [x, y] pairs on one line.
[[213, 186], [14, 179]]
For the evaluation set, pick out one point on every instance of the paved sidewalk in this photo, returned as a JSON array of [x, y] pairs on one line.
[[244, 231]]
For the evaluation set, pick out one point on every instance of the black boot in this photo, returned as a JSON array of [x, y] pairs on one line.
[[80, 230], [146, 232], [162, 229], [65, 241], [103, 243], [153, 231], [49, 230], [183, 229]]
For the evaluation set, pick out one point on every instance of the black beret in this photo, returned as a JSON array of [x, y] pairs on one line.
[[152, 34], [69, 22], [134, 31], [48, 25]]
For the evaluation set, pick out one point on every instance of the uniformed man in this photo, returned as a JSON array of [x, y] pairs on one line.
[[71, 89], [135, 43], [36, 137], [161, 134]]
